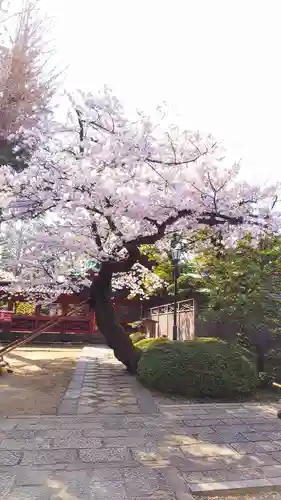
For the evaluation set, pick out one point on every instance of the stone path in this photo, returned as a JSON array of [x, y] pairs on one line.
[[110, 441], [100, 385]]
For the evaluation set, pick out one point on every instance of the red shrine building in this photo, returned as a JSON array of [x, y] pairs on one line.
[[19, 317]]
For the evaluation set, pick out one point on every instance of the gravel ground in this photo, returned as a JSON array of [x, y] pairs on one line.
[[40, 378]]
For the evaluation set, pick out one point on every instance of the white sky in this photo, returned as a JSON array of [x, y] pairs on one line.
[[216, 61]]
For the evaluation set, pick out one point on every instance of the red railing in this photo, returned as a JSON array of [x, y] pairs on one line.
[[75, 324]]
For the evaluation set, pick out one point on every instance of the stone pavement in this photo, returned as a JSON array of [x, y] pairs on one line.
[[110, 441], [100, 385]]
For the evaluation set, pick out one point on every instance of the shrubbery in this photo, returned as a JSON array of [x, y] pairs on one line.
[[137, 336], [273, 363], [199, 368], [146, 343], [266, 380]]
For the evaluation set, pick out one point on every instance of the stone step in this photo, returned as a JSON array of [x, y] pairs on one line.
[[235, 487]]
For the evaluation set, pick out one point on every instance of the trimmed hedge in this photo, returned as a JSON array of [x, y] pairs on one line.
[[146, 343], [199, 368], [273, 363], [137, 336]]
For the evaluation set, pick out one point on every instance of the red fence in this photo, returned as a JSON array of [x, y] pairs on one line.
[[83, 325], [74, 324]]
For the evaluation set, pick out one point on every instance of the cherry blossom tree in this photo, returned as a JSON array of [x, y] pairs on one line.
[[27, 80], [65, 273], [106, 185]]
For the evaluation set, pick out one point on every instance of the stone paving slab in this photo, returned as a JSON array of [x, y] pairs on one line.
[[203, 467], [100, 384], [111, 441]]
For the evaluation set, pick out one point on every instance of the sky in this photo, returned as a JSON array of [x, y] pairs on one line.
[[216, 62]]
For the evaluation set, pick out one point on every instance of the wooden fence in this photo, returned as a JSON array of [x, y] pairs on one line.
[[163, 316]]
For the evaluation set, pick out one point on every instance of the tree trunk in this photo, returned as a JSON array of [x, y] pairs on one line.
[[117, 339]]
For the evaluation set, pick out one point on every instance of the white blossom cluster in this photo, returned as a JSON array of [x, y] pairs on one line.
[[101, 185]]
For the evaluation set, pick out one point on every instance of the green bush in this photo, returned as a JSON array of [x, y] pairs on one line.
[[205, 340], [274, 356], [137, 336], [266, 380], [199, 368], [273, 363], [146, 343]]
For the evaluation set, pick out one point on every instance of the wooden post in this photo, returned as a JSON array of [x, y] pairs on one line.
[[10, 305], [194, 320], [158, 323], [37, 315], [64, 310]]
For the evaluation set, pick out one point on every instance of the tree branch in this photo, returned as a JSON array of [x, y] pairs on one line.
[[207, 218], [81, 130], [182, 162], [110, 221], [96, 235], [132, 247], [175, 163], [125, 265]]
